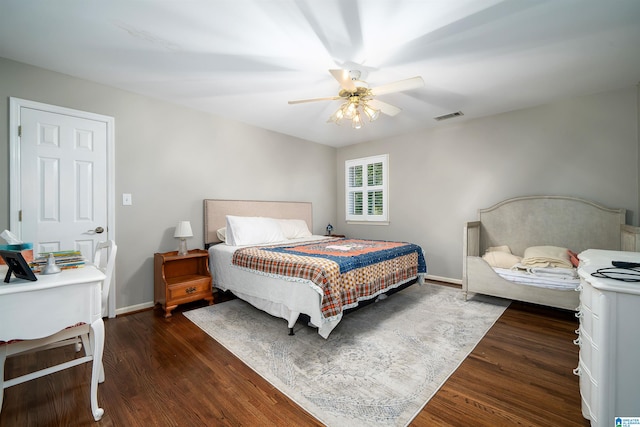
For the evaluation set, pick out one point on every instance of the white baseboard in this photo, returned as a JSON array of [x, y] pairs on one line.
[[132, 308]]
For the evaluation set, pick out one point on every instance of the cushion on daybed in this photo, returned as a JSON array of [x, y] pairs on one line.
[[501, 257], [546, 256]]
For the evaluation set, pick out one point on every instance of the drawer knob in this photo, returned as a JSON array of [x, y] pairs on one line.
[[191, 289]]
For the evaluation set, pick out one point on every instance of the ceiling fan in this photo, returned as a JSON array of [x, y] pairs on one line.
[[358, 99]]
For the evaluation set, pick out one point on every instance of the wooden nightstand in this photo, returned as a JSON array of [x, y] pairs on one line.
[[181, 278]]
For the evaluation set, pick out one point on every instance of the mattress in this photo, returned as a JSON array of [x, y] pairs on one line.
[[287, 299]]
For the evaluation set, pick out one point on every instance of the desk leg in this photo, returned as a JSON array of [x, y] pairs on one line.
[[97, 338], [3, 358]]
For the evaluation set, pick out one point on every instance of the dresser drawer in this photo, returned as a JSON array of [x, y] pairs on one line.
[[586, 294], [586, 321], [588, 391], [589, 358]]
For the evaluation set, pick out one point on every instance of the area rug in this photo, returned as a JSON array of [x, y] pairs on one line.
[[379, 366]]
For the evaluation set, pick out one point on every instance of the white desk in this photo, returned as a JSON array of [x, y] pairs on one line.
[[33, 310]]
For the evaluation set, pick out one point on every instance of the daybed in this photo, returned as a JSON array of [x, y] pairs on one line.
[[318, 276], [525, 222]]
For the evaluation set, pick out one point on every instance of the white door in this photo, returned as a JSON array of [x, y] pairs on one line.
[[63, 165], [63, 189]]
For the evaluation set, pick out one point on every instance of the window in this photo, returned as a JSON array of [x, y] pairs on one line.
[[366, 183]]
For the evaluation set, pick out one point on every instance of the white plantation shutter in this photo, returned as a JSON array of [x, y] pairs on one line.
[[366, 189]]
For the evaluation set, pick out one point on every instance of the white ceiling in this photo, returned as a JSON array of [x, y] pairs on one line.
[[244, 59]]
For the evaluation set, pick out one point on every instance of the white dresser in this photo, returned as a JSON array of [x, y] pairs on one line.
[[609, 340]]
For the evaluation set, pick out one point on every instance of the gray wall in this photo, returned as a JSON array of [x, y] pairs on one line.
[[170, 158], [585, 147]]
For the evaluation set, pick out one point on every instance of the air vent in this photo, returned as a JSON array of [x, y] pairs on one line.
[[449, 116]]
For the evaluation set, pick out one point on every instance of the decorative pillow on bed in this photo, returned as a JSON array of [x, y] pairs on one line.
[[500, 257], [546, 256], [252, 230], [294, 228], [222, 234]]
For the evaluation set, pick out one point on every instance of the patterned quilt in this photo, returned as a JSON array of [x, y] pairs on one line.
[[345, 270]]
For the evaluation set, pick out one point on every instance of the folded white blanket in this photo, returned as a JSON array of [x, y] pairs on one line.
[[559, 273], [523, 277], [546, 256]]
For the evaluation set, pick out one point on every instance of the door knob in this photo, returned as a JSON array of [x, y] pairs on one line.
[[98, 230]]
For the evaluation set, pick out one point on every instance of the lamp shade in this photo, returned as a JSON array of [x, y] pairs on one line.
[[183, 229]]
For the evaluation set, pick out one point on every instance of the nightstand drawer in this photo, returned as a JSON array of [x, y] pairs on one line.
[[188, 286]]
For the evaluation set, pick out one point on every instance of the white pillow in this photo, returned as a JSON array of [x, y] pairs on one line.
[[501, 259], [222, 234], [294, 228], [252, 230]]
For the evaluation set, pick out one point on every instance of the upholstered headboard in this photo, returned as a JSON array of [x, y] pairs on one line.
[[215, 212], [567, 222]]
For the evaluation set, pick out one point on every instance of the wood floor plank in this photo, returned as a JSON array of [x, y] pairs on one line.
[[168, 372]]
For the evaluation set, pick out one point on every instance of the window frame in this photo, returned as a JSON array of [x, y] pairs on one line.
[[366, 189]]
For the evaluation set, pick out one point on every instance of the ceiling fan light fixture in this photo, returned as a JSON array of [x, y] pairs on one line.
[[357, 122], [371, 113], [350, 108], [337, 116]]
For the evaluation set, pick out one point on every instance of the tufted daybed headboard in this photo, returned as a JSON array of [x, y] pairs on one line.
[[567, 222]]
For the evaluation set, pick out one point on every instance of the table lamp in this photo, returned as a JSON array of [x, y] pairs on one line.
[[183, 230]]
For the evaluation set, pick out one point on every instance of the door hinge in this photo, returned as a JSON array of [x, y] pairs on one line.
[[19, 131], [20, 215]]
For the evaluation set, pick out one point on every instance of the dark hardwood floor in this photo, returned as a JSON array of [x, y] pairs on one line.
[[167, 372]]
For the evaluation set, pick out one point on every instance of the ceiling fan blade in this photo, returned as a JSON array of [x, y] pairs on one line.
[[329, 98], [399, 86], [344, 78], [388, 109]]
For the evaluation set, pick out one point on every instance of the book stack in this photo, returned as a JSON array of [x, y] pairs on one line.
[[64, 259]]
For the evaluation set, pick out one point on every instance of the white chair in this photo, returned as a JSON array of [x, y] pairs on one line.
[[104, 259]]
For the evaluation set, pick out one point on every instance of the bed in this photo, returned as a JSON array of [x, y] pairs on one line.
[[306, 274], [529, 223]]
